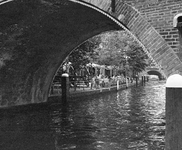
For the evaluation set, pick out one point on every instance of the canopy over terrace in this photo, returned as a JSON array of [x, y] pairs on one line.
[[102, 68]]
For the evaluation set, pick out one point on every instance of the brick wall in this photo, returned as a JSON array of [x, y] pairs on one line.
[[151, 23], [160, 14]]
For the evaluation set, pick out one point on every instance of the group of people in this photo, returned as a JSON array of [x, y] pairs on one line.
[[106, 81]]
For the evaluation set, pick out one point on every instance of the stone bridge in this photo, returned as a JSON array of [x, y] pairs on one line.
[[154, 71], [37, 35]]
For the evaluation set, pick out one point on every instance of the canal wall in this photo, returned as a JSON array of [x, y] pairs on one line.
[[91, 92], [55, 99]]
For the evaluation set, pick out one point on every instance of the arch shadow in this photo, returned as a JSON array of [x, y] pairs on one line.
[[152, 72]]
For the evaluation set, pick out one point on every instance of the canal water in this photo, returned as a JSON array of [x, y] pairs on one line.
[[132, 119]]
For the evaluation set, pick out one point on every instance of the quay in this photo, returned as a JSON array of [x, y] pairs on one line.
[[87, 91]]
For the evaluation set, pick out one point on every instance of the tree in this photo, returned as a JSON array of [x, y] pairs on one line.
[[84, 54], [118, 48], [111, 48], [137, 58]]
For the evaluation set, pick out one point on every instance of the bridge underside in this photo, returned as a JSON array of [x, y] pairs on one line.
[[35, 38], [152, 72]]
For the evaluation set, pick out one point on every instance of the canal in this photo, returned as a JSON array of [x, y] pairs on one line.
[[132, 119]]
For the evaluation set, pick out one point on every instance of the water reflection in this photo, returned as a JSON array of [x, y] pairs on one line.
[[73, 132], [132, 119]]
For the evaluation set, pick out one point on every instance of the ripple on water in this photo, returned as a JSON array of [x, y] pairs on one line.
[[132, 119]]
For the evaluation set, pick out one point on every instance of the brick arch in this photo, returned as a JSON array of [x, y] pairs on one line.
[[157, 73], [35, 38], [39, 36], [152, 42]]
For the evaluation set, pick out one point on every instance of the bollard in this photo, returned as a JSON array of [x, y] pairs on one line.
[[136, 81], [126, 83], [147, 78], [142, 81], [100, 88], [117, 84], [173, 133], [65, 87]]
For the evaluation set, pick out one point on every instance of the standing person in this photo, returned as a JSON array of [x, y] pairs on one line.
[[97, 82], [93, 82]]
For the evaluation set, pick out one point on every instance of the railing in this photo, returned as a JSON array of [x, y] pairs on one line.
[[82, 83], [78, 82], [75, 83]]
